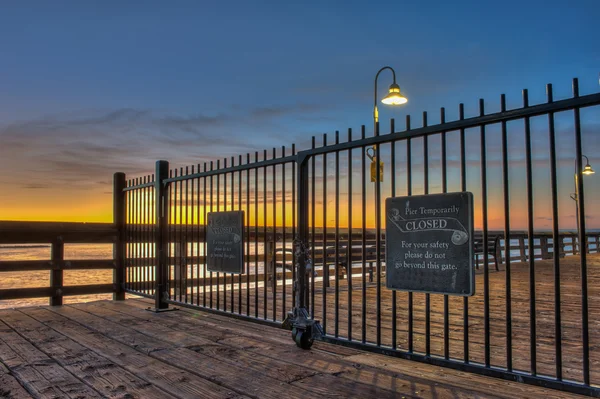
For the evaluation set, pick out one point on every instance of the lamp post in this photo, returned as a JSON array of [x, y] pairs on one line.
[[587, 170], [394, 96]]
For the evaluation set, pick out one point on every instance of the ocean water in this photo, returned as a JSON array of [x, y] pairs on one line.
[[42, 278]]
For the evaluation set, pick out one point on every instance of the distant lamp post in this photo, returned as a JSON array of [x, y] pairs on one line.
[[587, 170], [394, 97]]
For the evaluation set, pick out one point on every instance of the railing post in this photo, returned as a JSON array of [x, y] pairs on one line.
[[119, 206], [161, 293], [56, 274], [544, 247], [522, 248]]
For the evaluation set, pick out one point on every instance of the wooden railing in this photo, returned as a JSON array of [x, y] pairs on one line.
[[57, 235]]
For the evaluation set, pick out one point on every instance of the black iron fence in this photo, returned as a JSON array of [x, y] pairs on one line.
[[529, 320]]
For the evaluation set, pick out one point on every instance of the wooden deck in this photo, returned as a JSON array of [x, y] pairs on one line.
[[118, 349], [570, 305]]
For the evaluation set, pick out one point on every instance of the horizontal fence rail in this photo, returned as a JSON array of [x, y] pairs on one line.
[[529, 317], [56, 235]]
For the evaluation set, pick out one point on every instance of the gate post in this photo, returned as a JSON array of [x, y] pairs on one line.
[[119, 206], [161, 293], [304, 329], [302, 276]]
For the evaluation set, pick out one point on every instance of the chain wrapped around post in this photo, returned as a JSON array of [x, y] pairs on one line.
[[304, 329]]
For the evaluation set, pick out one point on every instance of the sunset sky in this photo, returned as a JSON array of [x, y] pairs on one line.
[[89, 88]]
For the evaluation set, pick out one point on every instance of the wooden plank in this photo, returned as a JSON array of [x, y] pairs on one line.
[[102, 374], [171, 379], [22, 293], [40, 292], [33, 265], [10, 387], [39, 374]]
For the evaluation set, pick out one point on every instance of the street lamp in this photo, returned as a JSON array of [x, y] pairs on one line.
[[587, 170], [394, 97]]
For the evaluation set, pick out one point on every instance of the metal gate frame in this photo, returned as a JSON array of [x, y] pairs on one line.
[[300, 318]]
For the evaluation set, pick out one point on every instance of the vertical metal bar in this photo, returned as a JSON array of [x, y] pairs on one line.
[[224, 209], [232, 207], [486, 274], [463, 184], [409, 193], [378, 237], [152, 235], [313, 222], [240, 208], [186, 240], [393, 193], [426, 191], [161, 239], [274, 196], [337, 236], [508, 281], [132, 237], [119, 219], [283, 244], [364, 237], [143, 243], [173, 239], [199, 239], [218, 201], [170, 239], [265, 283], [349, 248], [555, 239], [294, 227], [205, 222], [129, 202], [136, 213], [210, 297], [147, 236], [532, 315], [445, 190], [256, 237], [325, 267], [179, 237], [582, 239], [142, 235], [248, 236]]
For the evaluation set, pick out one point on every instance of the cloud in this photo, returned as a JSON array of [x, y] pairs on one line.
[[88, 147]]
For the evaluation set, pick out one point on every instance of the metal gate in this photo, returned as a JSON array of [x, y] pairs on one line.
[[314, 241]]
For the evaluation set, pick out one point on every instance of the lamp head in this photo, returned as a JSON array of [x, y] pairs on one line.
[[587, 170], [394, 97]]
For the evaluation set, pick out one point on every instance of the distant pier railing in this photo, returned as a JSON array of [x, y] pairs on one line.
[[57, 235]]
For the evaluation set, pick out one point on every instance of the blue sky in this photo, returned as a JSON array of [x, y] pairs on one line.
[[91, 87]]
